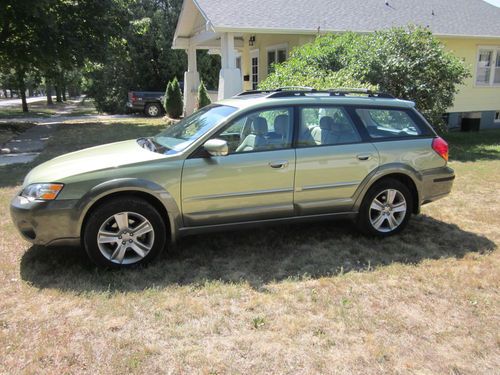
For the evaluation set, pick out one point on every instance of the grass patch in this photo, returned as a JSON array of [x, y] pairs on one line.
[[41, 109], [472, 146], [303, 298]]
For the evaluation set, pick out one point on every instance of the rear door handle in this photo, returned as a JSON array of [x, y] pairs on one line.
[[280, 164], [364, 156]]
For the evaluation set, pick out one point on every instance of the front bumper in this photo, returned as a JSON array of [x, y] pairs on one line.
[[44, 223], [436, 184]]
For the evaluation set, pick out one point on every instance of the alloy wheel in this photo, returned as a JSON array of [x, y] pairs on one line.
[[388, 210], [125, 238]]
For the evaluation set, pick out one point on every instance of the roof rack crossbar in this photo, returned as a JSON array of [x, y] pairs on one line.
[[290, 91]]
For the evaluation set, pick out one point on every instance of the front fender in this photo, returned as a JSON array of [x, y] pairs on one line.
[[132, 185]]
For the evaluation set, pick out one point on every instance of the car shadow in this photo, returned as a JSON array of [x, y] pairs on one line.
[[257, 257]]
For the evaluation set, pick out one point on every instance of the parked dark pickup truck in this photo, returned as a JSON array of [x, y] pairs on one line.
[[148, 102]]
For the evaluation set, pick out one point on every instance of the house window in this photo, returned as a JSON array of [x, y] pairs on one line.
[[276, 55], [488, 66]]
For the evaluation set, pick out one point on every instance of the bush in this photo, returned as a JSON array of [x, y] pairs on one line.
[[406, 62], [203, 98], [174, 104]]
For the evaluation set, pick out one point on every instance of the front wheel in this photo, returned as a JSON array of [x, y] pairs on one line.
[[124, 232], [386, 208]]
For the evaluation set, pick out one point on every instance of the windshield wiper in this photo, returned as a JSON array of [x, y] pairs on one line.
[[148, 144]]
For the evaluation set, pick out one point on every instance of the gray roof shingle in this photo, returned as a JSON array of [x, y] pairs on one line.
[[443, 17]]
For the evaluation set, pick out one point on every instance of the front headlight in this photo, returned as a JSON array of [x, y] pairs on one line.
[[45, 192]]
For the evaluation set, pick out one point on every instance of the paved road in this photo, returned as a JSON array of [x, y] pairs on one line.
[[13, 102]]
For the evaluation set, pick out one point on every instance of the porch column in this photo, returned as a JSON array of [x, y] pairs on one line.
[[246, 65], [230, 82], [191, 82]]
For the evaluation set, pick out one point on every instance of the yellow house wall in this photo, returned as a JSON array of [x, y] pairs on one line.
[[472, 98]]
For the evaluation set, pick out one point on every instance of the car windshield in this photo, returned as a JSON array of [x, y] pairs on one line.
[[179, 136]]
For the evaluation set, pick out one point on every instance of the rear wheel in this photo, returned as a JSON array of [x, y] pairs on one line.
[[124, 232], [153, 110], [386, 208]]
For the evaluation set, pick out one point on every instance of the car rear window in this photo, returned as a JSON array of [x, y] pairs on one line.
[[389, 123]]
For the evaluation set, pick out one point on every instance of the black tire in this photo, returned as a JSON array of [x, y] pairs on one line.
[[137, 210], [153, 110], [367, 214]]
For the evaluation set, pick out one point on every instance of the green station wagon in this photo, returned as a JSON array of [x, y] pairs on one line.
[[284, 155]]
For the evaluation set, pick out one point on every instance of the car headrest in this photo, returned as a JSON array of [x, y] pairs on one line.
[[326, 123], [281, 124], [259, 126]]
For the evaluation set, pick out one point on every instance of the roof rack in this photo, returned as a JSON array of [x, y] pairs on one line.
[[290, 91]]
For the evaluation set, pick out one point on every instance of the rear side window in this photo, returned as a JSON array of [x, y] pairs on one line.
[[323, 126], [388, 123]]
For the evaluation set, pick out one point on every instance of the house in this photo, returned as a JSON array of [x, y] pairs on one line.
[[250, 35]]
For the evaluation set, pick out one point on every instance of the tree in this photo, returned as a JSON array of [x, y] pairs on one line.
[[409, 63], [202, 97], [173, 99]]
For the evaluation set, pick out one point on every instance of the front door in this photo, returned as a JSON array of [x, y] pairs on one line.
[[253, 182], [332, 161]]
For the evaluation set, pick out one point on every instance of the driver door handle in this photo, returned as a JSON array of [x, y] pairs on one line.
[[364, 156], [279, 164]]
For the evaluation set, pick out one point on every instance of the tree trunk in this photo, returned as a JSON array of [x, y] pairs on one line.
[[11, 94], [63, 86], [22, 88], [48, 89], [5, 93], [58, 94]]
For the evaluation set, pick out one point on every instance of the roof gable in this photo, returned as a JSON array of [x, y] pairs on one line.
[[443, 17]]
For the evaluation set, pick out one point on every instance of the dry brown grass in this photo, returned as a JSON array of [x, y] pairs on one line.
[[315, 298]]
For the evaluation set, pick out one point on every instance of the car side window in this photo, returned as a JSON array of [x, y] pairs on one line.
[[269, 129], [388, 123], [327, 125]]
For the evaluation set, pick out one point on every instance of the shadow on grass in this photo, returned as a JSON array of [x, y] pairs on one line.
[[474, 146], [73, 137], [258, 257]]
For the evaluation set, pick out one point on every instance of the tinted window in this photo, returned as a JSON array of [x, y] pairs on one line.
[[321, 126], [387, 123]]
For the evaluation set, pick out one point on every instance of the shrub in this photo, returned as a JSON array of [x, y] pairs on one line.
[[409, 63], [174, 105], [203, 98]]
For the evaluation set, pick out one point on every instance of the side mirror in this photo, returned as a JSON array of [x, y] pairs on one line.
[[216, 147]]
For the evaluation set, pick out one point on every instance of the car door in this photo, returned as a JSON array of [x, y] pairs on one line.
[[253, 182], [332, 160]]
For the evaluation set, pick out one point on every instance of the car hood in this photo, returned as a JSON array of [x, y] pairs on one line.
[[112, 155]]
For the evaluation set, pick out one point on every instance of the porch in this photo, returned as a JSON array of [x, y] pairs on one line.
[[246, 57]]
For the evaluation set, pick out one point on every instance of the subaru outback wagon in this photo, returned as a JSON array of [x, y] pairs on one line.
[[260, 157]]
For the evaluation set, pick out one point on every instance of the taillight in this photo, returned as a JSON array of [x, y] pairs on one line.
[[441, 147]]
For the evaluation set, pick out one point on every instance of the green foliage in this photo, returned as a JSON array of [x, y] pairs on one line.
[[174, 104], [203, 98], [140, 56], [406, 62]]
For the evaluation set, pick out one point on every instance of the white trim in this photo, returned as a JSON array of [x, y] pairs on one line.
[[496, 51], [496, 121], [277, 30]]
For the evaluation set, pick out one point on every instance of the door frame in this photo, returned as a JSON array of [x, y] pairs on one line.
[[254, 54]]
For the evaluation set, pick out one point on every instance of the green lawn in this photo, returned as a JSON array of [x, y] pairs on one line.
[[41, 109], [305, 298]]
